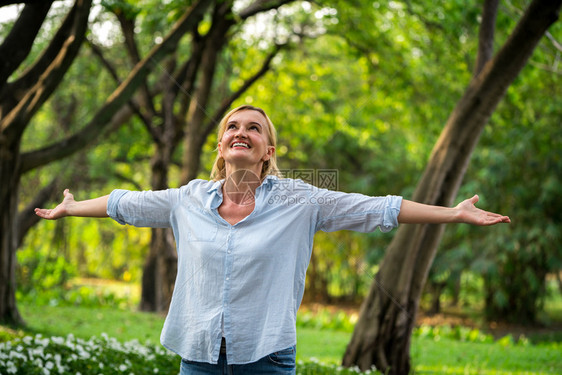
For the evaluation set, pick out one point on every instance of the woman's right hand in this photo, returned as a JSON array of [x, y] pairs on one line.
[[59, 211]]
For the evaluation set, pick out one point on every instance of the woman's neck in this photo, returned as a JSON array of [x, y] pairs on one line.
[[240, 185]]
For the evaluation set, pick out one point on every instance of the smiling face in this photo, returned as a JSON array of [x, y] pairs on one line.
[[245, 141]]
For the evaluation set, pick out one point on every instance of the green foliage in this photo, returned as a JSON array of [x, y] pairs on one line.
[[39, 355], [515, 170], [519, 173], [434, 349], [43, 272], [324, 319], [367, 95]]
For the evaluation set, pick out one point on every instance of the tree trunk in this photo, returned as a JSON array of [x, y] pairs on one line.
[[382, 334], [9, 164], [23, 99], [159, 272], [17, 110], [160, 267]]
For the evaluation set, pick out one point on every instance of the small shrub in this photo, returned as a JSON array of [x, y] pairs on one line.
[[326, 320], [32, 355], [58, 355]]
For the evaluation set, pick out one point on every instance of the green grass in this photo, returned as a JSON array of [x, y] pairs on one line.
[[430, 355], [85, 322], [456, 357], [325, 345]]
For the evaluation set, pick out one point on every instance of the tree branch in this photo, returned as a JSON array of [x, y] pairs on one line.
[[227, 102], [259, 6], [214, 42], [128, 29], [133, 103], [18, 42], [14, 123], [128, 180], [119, 97], [486, 35], [188, 72], [29, 78], [99, 54]]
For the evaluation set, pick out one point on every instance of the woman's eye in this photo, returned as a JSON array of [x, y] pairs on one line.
[[231, 126]]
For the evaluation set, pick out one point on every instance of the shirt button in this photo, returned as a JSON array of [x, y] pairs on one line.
[[229, 251], [228, 278]]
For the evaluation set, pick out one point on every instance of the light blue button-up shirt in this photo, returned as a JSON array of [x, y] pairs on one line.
[[244, 281]]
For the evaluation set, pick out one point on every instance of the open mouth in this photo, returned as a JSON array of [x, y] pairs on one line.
[[240, 144]]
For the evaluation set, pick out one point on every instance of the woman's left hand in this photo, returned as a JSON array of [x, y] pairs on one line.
[[470, 214]]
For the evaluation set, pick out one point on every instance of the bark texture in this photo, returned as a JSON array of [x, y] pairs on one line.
[[382, 335], [23, 97]]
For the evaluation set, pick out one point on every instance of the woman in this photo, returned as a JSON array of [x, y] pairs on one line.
[[244, 242]]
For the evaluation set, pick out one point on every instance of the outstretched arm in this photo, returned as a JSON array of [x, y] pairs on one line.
[[96, 207], [464, 212]]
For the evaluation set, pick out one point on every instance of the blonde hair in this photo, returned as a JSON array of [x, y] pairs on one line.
[[269, 166]]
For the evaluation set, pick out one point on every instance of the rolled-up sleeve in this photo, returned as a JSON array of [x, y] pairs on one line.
[[357, 212], [142, 208]]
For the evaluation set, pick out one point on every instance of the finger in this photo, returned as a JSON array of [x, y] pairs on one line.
[[67, 194], [41, 212], [474, 199], [499, 219]]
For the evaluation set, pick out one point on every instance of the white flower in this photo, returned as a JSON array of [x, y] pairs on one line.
[[122, 368], [11, 367], [156, 371], [57, 340], [49, 365]]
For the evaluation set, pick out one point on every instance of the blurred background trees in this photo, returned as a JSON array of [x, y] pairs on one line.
[[363, 88]]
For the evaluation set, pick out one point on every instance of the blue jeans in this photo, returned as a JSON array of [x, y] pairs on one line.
[[282, 362]]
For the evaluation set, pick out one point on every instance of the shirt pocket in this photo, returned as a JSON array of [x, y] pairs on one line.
[[202, 227]]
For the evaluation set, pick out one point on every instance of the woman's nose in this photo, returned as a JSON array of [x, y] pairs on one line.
[[240, 132]]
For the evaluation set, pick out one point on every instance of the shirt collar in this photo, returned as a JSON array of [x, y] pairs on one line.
[[216, 186]]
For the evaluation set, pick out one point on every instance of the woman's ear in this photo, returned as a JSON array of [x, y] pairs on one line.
[[219, 149], [269, 153]]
